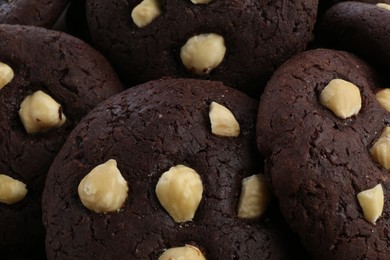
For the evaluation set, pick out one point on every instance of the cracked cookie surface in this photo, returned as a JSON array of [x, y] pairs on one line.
[[147, 129], [31, 12], [361, 28], [258, 35], [317, 162], [74, 75]]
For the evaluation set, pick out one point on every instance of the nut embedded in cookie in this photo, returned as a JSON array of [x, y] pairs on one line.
[[342, 98], [255, 197], [39, 112], [6, 74], [179, 191], [11, 190], [144, 13], [203, 53], [183, 252], [223, 122], [383, 97], [201, 1], [384, 6], [103, 189], [380, 151], [372, 201]]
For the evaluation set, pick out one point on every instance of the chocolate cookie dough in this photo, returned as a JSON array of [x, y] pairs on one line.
[[154, 143], [31, 12], [318, 120], [48, 81], [238, 42], [363, 29]]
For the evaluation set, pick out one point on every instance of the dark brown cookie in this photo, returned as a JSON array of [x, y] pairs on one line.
[[31, 12], [148, 129], [361, 28], [75, 76], [327, 3], [258, 36], [317, 162]]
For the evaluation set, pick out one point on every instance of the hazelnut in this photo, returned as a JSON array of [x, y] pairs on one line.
[[341, 97], [383, 5], [179, 191], [255, 197], [201, 1], [144, 13], [383, 97], [103, 189], [11, 190], [372, 201], [203, 53], [6, 74], [223, 122], [39, 112], [184, 252], [380, 151]]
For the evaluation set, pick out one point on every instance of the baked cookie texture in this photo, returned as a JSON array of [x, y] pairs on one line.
[[148, 129], [74, 75], [258, 36], [361, 28], [31, 12], [317, 163]]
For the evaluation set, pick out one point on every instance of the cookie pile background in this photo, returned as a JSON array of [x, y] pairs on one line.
[[272, 117]]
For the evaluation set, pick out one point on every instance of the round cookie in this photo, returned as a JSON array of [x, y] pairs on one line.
[[148, 129], [328, 3], [31, 12], [363, 29], [73, 75], [258, 37], [318, 162]]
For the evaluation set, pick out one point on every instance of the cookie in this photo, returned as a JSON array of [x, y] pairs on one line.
[[31, 12], [146, 138], [48, 81], [359, 28], [247, 40], [328, 3], [319, 153]]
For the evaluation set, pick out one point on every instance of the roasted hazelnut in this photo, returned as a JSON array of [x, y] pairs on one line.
[[383, 97], [39, 112], [11, 190], [341, 97], [384, 6], [201, 1], [380, 151], [144, 13], [179, 191], [103, 189], [223, 122], [255, 197], [6, 74], [186, 252], [203, 53], [372, 201]]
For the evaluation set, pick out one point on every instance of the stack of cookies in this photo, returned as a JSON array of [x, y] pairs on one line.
[[194, 129]]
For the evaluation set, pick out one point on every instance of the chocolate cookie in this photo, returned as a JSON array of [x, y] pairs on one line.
[[31, 12], [238, 42], [318, 162], [360, 28], [171, 126], [48, 81], [328, 3]]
